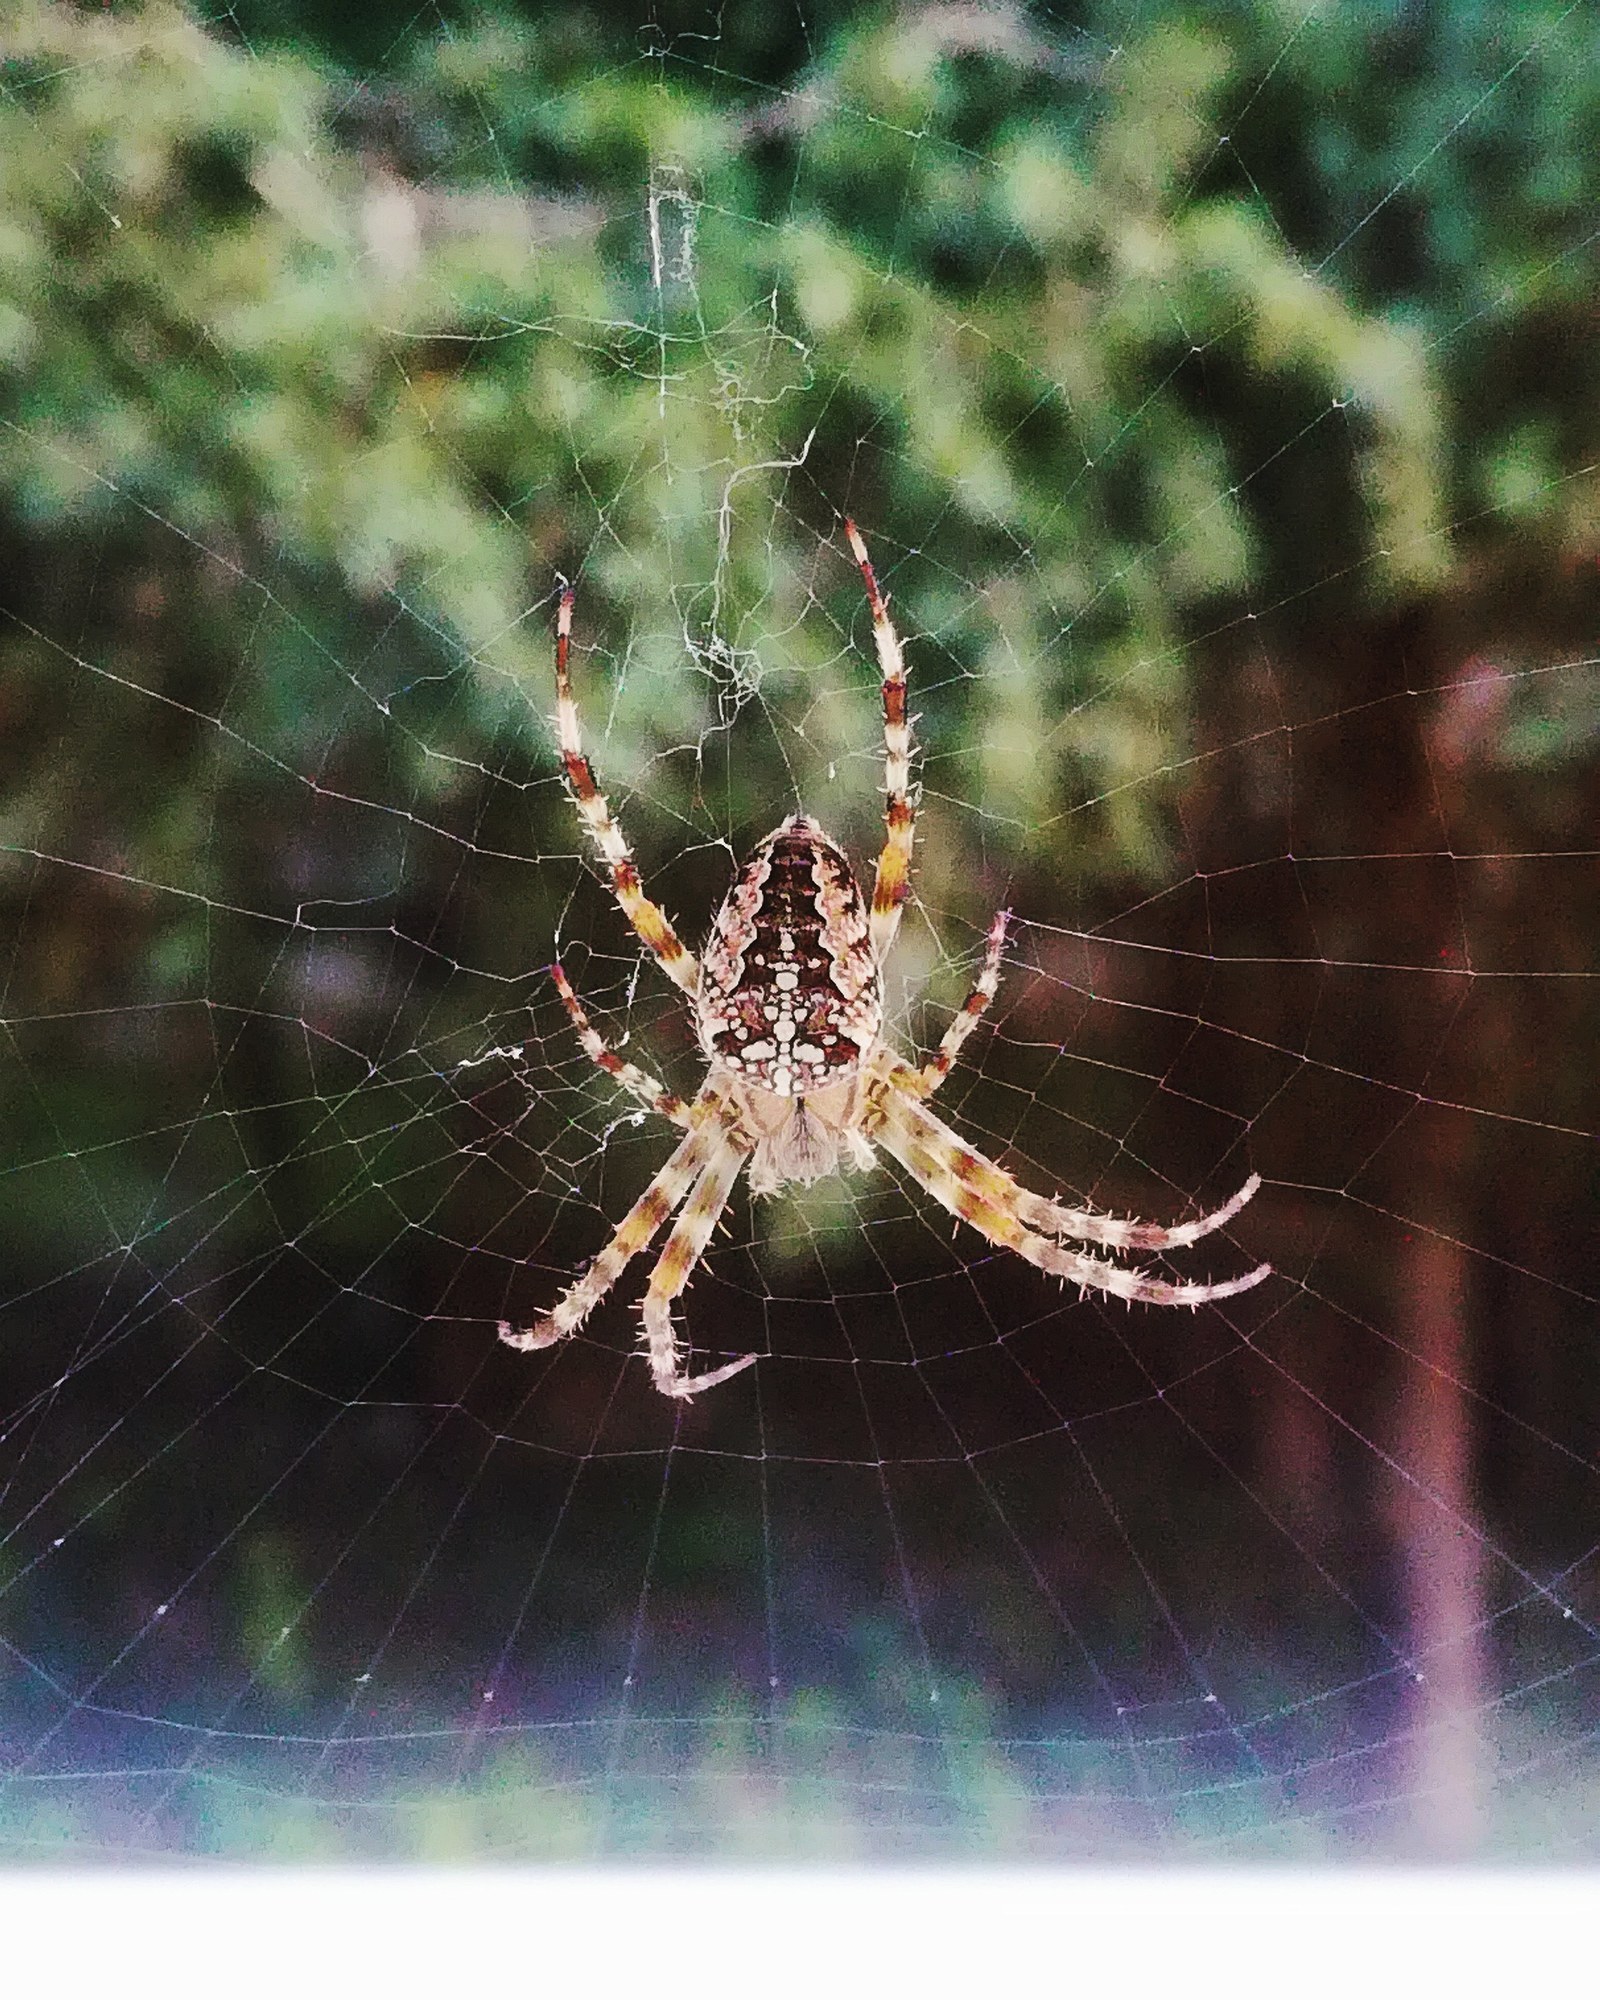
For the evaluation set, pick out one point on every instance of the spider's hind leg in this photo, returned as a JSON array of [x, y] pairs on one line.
[[685, 1247], [985, 1196], [1035, 1211], [632, 1235]]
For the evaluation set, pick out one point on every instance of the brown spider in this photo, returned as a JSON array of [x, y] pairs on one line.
[[789, 1010]]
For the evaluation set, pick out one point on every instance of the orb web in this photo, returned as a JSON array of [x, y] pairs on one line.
[[1244, 564]]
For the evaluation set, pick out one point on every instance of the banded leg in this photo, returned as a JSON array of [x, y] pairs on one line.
[[1052, 1218], [633, 1234], [935, 1071], [964, 1183], [640, 1082], [685, 1247], [648, 919], [892, 884]]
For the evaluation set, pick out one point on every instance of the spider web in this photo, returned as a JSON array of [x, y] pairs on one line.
[[297, 1559]]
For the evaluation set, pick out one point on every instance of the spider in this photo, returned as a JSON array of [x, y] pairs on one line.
[[788, 1006]]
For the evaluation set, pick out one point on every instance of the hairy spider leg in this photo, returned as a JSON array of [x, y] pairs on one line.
[[629, 1075], [966, 1184], [892, 883], [647, 918], [632, 1235], [1052, 1218], [972, 1011], [684, 1249], [1089, 1225]]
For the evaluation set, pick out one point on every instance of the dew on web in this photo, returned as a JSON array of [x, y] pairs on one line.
[[1216, 425]]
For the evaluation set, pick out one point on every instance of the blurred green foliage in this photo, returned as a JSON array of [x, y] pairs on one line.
[[323, 352]]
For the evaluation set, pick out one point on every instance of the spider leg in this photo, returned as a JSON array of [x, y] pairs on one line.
[[632, 1235], [647, 918], [1051, 1218], [640, 1082], [892, 883], [685, 1247], [964, 1183], [935, 1071]]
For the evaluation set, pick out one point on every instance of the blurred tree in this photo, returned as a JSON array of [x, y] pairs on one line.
[[309, 388]]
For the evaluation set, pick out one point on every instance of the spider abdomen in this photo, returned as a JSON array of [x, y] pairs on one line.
[[789, 997]]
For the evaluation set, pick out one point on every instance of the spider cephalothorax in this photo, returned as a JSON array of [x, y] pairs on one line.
[[789, 1009]]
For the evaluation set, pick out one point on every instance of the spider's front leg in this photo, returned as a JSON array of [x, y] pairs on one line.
[[651, 922], [892, 883]]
